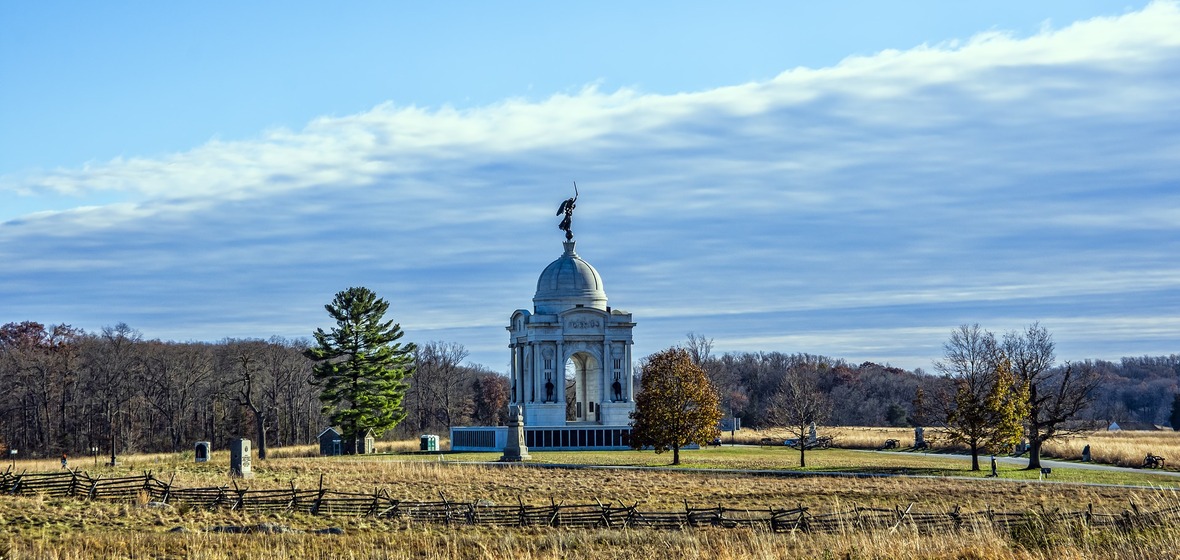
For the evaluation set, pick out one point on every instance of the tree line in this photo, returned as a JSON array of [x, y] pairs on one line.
[[1134, 389], [76, 392], [69, 391]]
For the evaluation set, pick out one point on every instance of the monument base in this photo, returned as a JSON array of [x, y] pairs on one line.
[[515, 457], [516, 450]]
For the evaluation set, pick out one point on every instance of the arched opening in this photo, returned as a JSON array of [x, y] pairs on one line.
[[583, 376]]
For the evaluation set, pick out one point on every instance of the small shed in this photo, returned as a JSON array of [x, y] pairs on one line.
[[366, 444], [333, 443], [330, 442]]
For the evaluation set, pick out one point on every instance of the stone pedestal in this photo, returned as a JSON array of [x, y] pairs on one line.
[[516, 451], [239, 459], [919, 438]]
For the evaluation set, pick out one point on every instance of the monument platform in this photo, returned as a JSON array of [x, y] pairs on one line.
[[543, 438]]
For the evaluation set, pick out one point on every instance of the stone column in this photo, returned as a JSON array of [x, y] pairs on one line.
[[630, 375], [604, 376], [514, 388], [559, 375]]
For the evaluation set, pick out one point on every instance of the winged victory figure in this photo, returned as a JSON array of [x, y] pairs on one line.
[[567, 208]]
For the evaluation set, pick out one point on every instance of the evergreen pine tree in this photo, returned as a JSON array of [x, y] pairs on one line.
[[361, 366]]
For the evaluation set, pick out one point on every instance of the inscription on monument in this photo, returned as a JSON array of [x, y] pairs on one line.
[[239, 459], [584, 324]]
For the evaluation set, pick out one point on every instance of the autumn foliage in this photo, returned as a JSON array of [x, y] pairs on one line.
[[676, 405]]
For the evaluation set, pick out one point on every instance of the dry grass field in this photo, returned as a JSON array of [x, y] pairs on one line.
[[1122, 448], [1125, 449], [37, 527]]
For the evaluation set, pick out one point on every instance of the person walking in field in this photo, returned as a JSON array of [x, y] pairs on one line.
[[63, 460]]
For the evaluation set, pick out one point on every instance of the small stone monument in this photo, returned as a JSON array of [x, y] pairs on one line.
[[239, 459], [1086, 453], [516, 451], [201, 452], [811, 435], [919, 438]]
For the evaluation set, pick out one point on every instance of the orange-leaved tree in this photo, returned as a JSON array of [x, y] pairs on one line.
[[676, 405]]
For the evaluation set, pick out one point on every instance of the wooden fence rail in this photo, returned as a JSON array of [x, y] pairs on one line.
[[146, 488]]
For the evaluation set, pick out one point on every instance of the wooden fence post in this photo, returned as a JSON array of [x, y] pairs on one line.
[[319, 499], [93, 488], [901, 515], [241, 497]]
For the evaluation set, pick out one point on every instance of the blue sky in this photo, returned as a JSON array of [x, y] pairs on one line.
[[852, 179]]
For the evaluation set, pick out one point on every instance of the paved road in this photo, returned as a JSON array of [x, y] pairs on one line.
[[1022, 461]]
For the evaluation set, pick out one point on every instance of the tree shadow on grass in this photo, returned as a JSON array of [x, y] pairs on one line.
[[907, 471]]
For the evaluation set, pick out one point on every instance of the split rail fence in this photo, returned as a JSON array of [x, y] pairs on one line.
[[322, 501]]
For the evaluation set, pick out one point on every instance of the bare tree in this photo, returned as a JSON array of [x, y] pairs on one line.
[[172, 374], [441, 385], [798, 403], [1056, 396], [34, 375], [114, 366], [250, 380], [699, 348], [1063, 394], [289, 388]]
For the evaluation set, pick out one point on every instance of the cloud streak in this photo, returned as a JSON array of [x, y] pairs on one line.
[[999, 180]]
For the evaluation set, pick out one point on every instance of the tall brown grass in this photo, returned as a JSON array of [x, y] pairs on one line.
[[67, 529], [109, 531], [1122, 448]]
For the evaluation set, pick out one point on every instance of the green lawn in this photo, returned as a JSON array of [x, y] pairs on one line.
[[818, 461]]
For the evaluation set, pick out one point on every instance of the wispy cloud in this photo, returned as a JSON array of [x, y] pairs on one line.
[[952, 182]]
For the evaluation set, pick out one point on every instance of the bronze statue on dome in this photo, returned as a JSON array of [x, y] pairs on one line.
[[567, 208]]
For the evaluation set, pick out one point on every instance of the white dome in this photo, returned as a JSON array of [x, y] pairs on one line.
[[568, 282]]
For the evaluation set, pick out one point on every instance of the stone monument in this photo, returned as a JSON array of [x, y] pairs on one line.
[[571, 332], [570, 347], [919, 438], [239, 459], [516, 451], [201, 452]]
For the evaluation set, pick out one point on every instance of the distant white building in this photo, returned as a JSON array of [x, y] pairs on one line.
[[1134, 427]]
